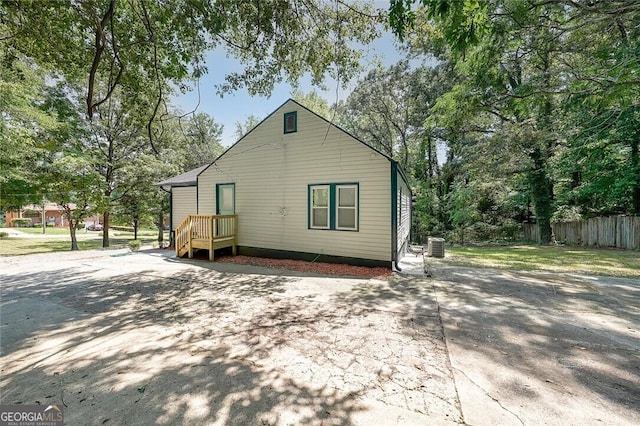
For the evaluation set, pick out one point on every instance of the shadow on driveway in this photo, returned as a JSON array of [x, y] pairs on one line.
[[140, 339], [538, 348]]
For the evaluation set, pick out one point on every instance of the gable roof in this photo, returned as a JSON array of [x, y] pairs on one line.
[[290, 100], [48, 206], [189, 178]]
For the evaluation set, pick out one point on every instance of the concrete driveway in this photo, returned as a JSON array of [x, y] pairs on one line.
[[119, 338], [542, 348]]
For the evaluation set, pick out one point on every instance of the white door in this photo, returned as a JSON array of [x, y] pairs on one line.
[[225, 198]]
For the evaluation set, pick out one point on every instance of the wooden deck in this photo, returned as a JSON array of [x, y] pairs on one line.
[[206, 232]]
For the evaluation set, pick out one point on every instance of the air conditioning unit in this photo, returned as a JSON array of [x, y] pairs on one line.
[[435, 247]]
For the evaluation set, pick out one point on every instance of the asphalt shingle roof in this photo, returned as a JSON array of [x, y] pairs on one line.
[[185, 179]]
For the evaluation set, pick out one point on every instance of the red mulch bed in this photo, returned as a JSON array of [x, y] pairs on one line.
[[310, 267]]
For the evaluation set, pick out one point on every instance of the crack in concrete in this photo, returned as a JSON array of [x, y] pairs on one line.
[[448, 357], [490, 396], [451, 367]]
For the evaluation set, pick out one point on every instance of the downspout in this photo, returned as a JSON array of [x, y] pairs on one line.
[[394, 216], [171, 234]]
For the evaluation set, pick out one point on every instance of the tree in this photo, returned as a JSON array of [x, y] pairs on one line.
[[314, 102], [600, 169], [522, 65], [115, 140], [248, 125], [74, 185], [461, 207], [382, 112], [23, 129], [202, 137], [389, 110], [512, 78], [143, 204], [139, 47]]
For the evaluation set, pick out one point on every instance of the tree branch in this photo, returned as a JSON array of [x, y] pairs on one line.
[[100, 42]]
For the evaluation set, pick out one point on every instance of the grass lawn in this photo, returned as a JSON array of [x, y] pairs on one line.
[[579, 260], [38, 231], [65, 231], [12, 246]]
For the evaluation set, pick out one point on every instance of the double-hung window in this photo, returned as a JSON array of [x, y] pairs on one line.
[[347, 207], [334, 206], [319, 207]]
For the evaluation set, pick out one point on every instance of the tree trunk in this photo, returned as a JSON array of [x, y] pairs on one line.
[[105, 229], [635, 167], [160, 229], [541, 195], [135, 229], [44, 222], [72, 232]]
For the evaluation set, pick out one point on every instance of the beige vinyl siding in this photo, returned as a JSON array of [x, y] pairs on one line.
[[404, 214], [183, 204], [272, 170]]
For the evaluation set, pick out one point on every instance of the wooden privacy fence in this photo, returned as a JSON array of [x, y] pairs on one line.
[[614, 231]]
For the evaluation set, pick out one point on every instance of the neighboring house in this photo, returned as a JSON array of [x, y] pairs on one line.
[[51, 213], [301, 187]]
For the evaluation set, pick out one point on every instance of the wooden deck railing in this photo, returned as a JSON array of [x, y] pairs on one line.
[[206, 232]]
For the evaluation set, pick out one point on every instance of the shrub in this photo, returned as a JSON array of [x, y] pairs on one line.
[[122, 228], [511, 230], [134, 245], [4, 234], [566, 214], [22, 222]]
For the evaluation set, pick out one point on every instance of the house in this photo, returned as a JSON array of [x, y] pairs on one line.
[[295, 186], [50, 212]]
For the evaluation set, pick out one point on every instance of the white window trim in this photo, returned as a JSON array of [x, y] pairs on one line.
[[312, 208], [354, 208]]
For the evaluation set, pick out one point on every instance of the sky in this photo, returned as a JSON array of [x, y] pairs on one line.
[[239, 105]]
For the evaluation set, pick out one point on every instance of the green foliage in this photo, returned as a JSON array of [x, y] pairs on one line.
[[202, 138], [464, 22], [23, 129], [21, 222], [544, 102], [387, 107], [141, 46], [122, 228], [244, 128], [315, 103], [462, 208], [110, 69], [134, 245], [426, 218], [4, 234]]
